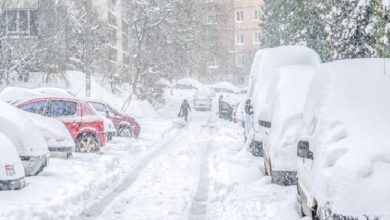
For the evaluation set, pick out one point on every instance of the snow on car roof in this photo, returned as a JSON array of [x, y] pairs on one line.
[[288, 98], [226, 85], [22, 131], [16, 95], [347, 123], [9, 156], [190, 81], [268, 61]]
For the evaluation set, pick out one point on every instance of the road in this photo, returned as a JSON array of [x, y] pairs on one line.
[[175, 170]]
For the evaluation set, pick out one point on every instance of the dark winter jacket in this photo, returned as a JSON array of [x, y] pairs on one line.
[[184, 108]]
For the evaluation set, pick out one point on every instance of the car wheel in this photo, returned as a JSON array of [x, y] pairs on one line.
[[87, 143], [126, 132]]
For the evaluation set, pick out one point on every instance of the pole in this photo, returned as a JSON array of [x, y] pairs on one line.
[[88, 51], [131, 74]]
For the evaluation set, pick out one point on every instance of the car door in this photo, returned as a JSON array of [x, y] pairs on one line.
[[68, 113]]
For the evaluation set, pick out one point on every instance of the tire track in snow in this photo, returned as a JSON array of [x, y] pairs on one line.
[[198, 209], [97, 208]]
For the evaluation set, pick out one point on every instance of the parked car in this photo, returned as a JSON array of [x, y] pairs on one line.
[[12, 175], [202, 100], [85, 126], [109, 127], [25, 137], [56, 135], [226, 111], [281, 122], [188, 83], [266, 63], [125, 125], [343, 148], [226, 87]]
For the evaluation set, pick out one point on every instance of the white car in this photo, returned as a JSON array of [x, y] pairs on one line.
[[238, 112], [56, 135], [188, 83], [202, 100], [11, 168], [266, 63], [281, 122], [26, 137], [226, 87], [344, 144]]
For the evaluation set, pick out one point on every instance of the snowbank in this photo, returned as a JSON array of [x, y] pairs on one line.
[[347, 124]]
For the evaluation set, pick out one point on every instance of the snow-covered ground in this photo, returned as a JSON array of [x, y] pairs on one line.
[[174, 170]]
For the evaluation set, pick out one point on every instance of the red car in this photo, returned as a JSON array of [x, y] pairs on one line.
[[85, 126], [125, 125]]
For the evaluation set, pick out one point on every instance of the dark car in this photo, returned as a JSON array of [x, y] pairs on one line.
[[226, 111]]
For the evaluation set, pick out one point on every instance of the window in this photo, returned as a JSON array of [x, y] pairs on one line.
[[21, 22], [111, 5], [240, 60], [240, 39], [126, 59], [35, 107], [98, 107], [113, 37], [212, 63], [125, 12], [63, 108], [256, 15], [239, 16], [256, 38], [125, 43], [212, 18]]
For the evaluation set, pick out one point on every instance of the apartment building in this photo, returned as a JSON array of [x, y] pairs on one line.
[[237, 24], [247, 14], [26, 24]]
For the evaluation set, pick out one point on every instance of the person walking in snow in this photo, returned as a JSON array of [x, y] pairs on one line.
[[184, 109], [220, 100]]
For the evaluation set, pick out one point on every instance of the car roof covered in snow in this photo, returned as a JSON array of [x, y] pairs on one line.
[[16, 95], [226, 85], [9, 156], [347, 123], [22, 131], [267, 62], [287, 102], [190, 81]]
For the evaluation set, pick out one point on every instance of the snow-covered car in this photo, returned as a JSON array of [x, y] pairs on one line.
[[56, 135], [109, 127], [344, 144], [11, 167], [202, 100], [281, 122], [125, 126], [265, 64], [188, 83], [26, 137], [226, 87], [85, 126]]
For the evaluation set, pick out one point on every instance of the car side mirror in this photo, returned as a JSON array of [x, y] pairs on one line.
[[304, 150]]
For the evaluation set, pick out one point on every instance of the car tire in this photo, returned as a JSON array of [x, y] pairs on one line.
[[87, 143], [125, 132]]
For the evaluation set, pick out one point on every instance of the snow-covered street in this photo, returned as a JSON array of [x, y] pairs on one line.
[[174, 170]]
